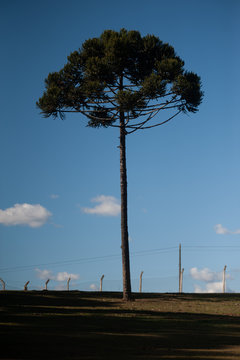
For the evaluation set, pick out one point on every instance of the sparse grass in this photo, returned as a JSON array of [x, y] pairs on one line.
[[81, 325]]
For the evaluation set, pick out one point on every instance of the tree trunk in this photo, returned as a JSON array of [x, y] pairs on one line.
[[124, 210]]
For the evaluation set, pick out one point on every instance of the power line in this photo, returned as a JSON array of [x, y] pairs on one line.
[[86, 260], [209, 247], [57, 263], [149, 252]]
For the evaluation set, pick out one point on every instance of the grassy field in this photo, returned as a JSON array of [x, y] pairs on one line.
[[81, 325]]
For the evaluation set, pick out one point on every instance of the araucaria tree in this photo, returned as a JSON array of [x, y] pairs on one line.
[[126, 81]]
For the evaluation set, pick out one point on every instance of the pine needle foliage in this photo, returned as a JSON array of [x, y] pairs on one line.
[[122, 72]]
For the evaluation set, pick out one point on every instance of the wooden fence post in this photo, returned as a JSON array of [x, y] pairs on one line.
[[140, 284], [180, 268], [224, 278], [3, 284], [46, 283], [26, 286], [68, 284], [101, 280]]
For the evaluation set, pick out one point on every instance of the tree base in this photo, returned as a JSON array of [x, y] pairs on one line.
[[128, 297]]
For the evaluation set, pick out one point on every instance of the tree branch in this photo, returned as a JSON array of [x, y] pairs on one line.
[[152, 126], [140, 125], [152, 113]]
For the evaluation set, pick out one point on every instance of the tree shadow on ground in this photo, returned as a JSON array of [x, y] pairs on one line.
[[83, 326]]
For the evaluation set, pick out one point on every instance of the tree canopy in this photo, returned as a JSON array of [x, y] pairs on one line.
[[122, 72]]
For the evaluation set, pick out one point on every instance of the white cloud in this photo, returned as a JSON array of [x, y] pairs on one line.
[[54, 196], [63, 276], [93, 287], [213, 281], [205, 275], [108, 206], [60, 276], [25, 214], [44, 274], [219, 229], [210, 288]]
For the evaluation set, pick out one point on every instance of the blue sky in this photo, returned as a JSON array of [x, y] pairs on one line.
[[183, 178]]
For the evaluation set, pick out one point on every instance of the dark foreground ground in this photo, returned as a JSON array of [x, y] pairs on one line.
[[80, 325]]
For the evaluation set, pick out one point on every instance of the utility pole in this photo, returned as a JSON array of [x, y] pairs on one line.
[[46, 283], [180, 268], [181, 281], [140, 285], [101, 280], [68, 284], [26, 286], [224, 278], [3, 284]]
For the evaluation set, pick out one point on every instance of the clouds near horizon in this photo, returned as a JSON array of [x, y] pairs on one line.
[[25, 214], [210, 288], [219, 229], [60, 276], [205, 275], [106, 206], [213, 281], [93, 287]]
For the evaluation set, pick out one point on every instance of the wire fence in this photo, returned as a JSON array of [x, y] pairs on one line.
[[194, 278], [165, 284]]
